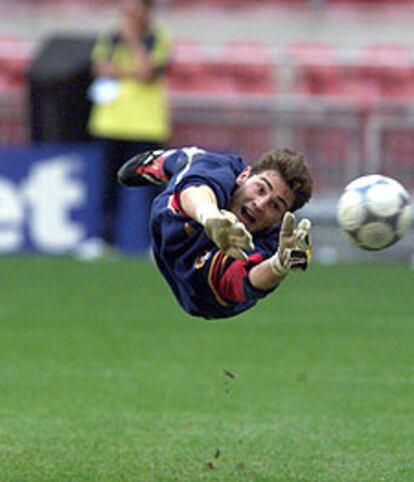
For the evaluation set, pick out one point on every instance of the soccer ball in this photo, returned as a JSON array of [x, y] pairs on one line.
[[374, 212]]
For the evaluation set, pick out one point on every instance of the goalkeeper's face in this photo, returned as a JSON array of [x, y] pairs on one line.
[[261, 200]]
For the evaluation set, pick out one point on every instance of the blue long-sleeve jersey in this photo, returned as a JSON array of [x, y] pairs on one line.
[[205, 281]]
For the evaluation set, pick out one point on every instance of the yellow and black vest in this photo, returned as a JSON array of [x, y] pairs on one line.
[[140, 111]]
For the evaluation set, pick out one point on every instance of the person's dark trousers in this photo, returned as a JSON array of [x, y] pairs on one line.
[[116, 153]]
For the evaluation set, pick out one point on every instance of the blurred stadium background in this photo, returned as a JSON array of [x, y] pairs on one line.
[[331, 78], [103, 377]]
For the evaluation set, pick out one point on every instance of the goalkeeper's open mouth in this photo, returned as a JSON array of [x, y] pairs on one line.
[[247, 218]]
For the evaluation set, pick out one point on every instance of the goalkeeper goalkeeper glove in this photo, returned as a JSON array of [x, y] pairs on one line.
[[295, 246], [225, 230]]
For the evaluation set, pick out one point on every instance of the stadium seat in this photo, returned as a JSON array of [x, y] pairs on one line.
[[250, 66], [187, 70], [230, 69], [378, 72], [15, 55], [193, 69], [315, 67], [389, 68]]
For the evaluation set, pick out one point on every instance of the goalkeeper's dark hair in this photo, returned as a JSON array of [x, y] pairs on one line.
[[293, 169]]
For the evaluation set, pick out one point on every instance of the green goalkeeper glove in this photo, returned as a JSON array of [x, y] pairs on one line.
[[225, 230], [295, 246]]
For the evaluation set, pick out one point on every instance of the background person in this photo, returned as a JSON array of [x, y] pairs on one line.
[[129, 112]]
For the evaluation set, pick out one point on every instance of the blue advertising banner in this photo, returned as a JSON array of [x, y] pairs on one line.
[[50, 201]]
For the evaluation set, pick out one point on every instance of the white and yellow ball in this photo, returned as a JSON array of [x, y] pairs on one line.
[[374, 212]]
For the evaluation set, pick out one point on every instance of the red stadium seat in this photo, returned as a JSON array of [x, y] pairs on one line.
[[378, 73], [14, 60], [242, 68], [316, 68], [251, 67], [231, 69], [188, 69], [389, 68], [15, 55]]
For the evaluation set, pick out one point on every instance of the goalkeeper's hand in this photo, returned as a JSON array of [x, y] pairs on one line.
[[225, 230], [295, 246]]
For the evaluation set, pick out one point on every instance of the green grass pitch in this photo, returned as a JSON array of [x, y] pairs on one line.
[[104, 378]]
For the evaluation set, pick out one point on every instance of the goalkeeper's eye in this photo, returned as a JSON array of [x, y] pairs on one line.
[[275, 206]]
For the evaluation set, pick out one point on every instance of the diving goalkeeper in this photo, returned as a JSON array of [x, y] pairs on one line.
[[223, 232]]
